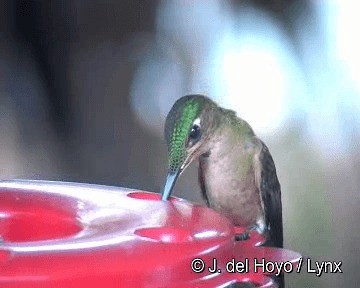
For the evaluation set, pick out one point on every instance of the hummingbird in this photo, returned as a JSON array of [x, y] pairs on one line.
[[236, 173]]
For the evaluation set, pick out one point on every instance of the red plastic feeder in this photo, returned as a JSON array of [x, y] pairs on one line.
[[55, 234]]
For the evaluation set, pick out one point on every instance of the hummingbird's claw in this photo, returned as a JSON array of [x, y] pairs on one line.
[[245, 235], [242, 236]]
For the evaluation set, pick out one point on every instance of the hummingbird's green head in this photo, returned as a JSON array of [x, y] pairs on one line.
[[187, 128]]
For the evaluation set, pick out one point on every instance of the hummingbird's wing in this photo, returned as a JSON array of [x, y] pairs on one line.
[[202, 184], [270, 193]]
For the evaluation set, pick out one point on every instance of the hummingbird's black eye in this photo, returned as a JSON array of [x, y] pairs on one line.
[[195, 134]]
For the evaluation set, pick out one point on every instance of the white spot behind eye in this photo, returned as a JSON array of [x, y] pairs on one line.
[[197, 122]]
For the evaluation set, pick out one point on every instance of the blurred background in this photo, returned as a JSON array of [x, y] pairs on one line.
[[85, 87]]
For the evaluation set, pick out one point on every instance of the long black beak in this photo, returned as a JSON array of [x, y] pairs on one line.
[[170, 183]]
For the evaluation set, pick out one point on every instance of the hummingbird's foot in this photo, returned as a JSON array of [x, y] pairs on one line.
[[242, 236], [245, 235]]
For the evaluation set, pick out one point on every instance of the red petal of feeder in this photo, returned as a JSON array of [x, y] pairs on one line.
[[75, 235]]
